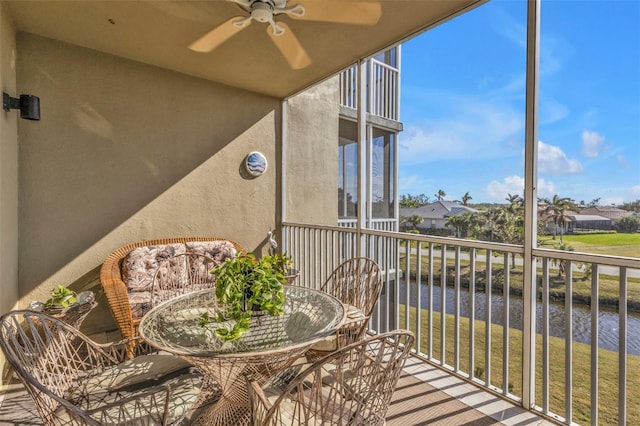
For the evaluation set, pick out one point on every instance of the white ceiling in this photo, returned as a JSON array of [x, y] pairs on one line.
[[159, 33]]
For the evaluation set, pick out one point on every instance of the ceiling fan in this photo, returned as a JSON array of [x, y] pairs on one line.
[[266, 11]]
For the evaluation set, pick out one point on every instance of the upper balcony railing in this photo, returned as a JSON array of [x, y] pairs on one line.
[[376, 224], [383, 89], [585, 353]]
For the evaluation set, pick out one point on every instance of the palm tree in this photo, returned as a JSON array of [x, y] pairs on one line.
[[413, 202], [440, 194], [516, 203], [457, 223], [556, 208], [463, 224], [415, 220], [465, 198]]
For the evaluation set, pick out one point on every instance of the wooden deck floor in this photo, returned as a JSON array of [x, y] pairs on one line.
[[425, 395]]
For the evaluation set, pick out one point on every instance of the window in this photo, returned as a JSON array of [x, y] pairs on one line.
[[382, 173], [347, 170]]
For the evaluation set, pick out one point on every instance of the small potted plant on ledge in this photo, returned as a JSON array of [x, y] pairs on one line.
[[290, 273], [61, 298], [248, 286], [67, 305]]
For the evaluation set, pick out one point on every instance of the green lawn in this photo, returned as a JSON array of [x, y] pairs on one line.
[[627, 245], [581, 363]]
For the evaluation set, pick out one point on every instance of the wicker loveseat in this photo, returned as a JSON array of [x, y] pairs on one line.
[[127, 274]]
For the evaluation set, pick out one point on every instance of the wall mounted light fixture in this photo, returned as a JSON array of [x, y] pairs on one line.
[[28, 105]]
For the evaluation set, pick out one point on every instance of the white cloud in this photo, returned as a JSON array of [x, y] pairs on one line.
[[415, 184], [497, 191], [510, 28], [592, 143], [627, 194], [546, 189], [608, 201], [472, 129], [552, 111], [622, 160], [555, 53], [552, 160]]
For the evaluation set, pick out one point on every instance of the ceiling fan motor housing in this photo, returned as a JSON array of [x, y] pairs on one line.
[[262, 11]]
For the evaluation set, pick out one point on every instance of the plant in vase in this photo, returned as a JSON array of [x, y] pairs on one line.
[[245, 284], [61, 297], [286, 264]]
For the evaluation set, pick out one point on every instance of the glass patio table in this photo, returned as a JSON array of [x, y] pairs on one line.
[[271, 345]]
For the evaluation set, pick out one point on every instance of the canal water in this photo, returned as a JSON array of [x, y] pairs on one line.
[[608, 323]]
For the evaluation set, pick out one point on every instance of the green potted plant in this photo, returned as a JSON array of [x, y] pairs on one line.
[[245, 286], [61, 297], [286, 264]]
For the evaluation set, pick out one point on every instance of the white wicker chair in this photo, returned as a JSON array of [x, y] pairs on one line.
[[76, 381], [357, 283], [351, 386]]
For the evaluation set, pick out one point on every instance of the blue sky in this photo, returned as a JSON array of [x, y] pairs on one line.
[[463, 103]]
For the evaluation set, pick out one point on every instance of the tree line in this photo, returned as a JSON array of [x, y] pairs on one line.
[[505, 222]]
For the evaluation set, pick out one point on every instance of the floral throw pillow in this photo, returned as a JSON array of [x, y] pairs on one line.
[[141, 264]]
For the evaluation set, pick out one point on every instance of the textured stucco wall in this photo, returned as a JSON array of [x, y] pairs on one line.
[[8, 177], [126, 151], [312, 155], [8, 169]]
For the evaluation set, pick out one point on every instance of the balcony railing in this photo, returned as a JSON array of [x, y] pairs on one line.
[[349, 88], [383, 89], [377, 224], [583, 352]]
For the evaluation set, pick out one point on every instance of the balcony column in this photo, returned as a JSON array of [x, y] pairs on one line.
[[283, 164], [530, 204], [362, 151]]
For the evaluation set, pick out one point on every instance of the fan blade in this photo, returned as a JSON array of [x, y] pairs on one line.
[[243, 3], [342, 12], [218, 35], [290, 47]]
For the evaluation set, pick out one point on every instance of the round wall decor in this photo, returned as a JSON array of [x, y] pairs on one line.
[[256, 163]]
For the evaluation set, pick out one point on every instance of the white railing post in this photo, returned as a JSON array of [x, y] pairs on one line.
[[396, 100], [622, 349]]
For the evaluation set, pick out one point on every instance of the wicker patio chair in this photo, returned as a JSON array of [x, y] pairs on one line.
[[76, 381], [357, 283], [351, 386], [112, 278]]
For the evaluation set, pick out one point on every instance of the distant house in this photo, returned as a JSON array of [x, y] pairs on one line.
[[574, 221], [609, 212], [435, 215], [588, 222]]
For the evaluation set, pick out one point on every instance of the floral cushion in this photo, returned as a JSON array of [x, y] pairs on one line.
[[141, 264], [217, 251], [140, 302], [144, 264], [171, 274]]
